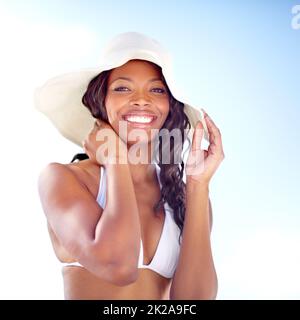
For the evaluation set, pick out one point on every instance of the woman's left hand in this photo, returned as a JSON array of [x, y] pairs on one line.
[[202, 164]]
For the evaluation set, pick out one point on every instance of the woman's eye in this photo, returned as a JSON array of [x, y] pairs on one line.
[[158, 90], [161, 90], [118, 89]]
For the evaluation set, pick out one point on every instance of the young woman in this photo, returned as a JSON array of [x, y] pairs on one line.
[[127, 229]]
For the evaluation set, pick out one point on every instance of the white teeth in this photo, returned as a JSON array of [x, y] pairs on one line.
[[139, 119]]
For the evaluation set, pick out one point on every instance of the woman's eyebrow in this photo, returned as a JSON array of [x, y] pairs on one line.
[[126, 78]]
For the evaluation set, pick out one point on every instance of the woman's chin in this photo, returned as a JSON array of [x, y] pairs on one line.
[[140, 136]]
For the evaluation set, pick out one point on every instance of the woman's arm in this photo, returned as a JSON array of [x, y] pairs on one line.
[[106, 243], [195, 276], [119, 227]]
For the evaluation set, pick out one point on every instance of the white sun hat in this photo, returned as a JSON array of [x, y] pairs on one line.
[[60, 98]]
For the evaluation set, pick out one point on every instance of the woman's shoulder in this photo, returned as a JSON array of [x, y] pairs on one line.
[[85, 171], [84, 166]]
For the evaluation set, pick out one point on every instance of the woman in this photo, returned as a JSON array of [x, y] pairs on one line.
[[128, 229]]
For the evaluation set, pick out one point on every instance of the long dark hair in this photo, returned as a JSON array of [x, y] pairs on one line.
[[173, 189]]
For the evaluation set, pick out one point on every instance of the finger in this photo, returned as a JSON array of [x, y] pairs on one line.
[[98, 123], [211, 135], [84, 145], [197, 136], [214, 130], [96, 127], [215, 134], [93, 129]]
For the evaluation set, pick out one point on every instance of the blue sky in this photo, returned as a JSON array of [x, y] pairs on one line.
[[239, 60]]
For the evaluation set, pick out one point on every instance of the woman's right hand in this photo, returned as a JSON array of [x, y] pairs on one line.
[[103, 145]]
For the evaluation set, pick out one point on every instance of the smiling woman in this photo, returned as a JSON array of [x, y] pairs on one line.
[[139, 116], [142, 96], [128, 230]]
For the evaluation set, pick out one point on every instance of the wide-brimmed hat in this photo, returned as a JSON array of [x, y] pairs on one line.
[[60, 98]]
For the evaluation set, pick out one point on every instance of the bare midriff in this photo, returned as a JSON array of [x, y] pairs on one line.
[[79, 283]]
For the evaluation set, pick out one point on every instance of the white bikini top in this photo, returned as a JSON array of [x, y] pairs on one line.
[[166, 255]]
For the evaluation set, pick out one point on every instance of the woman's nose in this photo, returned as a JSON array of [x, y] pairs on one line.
[[140, 99]]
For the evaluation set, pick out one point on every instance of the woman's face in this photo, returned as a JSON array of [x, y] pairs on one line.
[[136, 97]]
